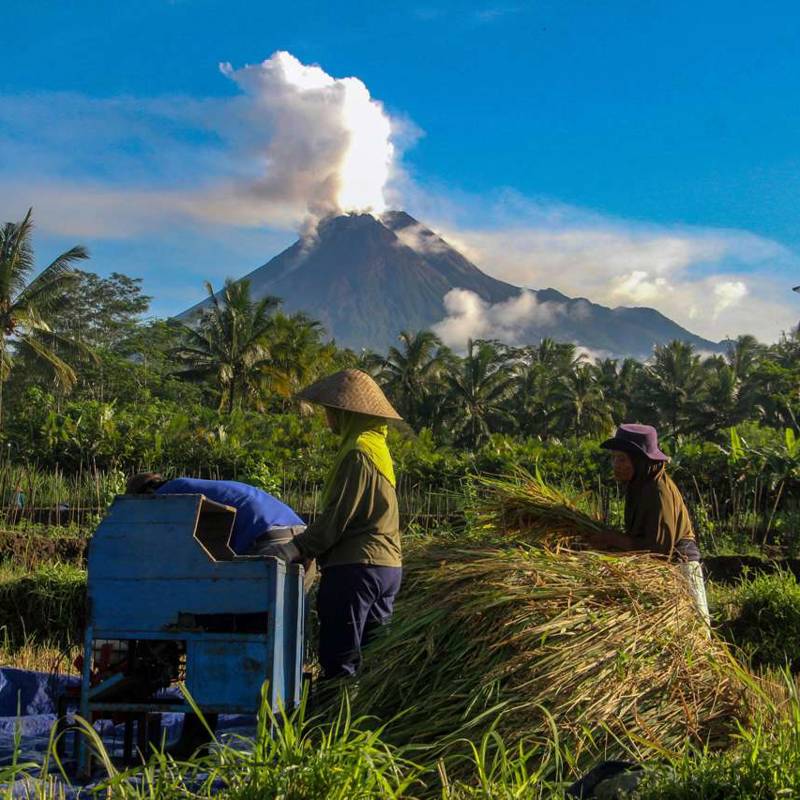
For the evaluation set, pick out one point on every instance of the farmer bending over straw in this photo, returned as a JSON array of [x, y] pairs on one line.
[[656, 517], [356, 538]]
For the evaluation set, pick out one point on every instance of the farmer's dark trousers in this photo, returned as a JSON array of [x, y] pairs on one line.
[[353, 601]]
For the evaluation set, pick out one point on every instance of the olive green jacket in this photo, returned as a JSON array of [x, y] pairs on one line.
[[361, 522]]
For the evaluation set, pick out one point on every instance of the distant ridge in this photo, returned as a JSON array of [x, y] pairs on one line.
[[366, 279]]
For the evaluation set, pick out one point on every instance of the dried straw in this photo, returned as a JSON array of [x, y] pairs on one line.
[[606, 649]]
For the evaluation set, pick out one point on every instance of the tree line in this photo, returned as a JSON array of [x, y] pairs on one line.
[[74, 334]]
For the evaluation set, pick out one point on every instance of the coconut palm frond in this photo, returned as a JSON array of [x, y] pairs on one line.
[[16, 256], [71, 348], [64, 374], [29, 307], [48, 288]]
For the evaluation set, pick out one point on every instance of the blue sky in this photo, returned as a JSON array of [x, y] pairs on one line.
[[632, 152]]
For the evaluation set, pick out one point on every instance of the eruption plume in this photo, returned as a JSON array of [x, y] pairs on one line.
[[328, 145]]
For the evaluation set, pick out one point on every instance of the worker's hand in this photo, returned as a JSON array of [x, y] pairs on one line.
[[286, 552], [599, 541], [609, 540]]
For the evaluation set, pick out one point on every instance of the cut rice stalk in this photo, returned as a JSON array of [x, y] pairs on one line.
[[524, 508]]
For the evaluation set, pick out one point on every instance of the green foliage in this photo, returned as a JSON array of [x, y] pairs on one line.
[[104, 313], [29, 305], [764, 618], [291, 757], [46, 605], [258, 472], [216, 400], [165, 436]]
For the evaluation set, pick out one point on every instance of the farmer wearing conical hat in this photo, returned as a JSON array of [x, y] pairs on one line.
[[356, 538], [656, 517]]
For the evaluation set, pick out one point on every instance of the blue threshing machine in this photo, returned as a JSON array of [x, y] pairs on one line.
[[169, 601]]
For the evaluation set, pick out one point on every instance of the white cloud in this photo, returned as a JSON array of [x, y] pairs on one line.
[[296, 143], [727, 294], [470, 317], [715, 282], [637, 286]]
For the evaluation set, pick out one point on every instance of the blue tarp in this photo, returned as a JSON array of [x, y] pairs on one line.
[[28, 703]]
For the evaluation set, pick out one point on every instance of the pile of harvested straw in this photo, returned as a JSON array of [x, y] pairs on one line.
[[606, 651]]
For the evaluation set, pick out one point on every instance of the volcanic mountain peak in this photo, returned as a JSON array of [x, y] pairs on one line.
[[367, 278]]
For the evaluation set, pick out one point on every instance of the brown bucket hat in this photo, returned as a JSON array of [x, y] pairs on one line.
[[350, 390]]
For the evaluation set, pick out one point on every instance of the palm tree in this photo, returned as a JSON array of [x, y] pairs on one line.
[[674, 385], [230, 344], [722, 399], [772, 389], [476, 391], [558, 356], [539, 371], [536, 398], [744, 355], [409, 372], [582, 406], [297, 353], [27, 307]]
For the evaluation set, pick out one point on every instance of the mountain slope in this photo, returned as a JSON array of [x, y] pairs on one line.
[[366, 279]]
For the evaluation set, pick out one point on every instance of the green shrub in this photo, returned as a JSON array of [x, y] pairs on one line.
[[46, 605], [765, 619]]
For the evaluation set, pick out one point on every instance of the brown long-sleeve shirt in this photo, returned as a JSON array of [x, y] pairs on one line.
[[361, 522], [657, 517]]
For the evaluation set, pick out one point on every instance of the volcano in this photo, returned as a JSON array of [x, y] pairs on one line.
[[368, 278]]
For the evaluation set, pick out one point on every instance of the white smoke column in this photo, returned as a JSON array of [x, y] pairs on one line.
[[328, 145]]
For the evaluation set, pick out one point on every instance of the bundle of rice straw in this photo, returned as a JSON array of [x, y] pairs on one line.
[[607, 651], [523, 507]]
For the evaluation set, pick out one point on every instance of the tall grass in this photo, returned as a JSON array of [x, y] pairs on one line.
[[291, 757], [498, 772], [296, 757], [39, 656], [54, 497]]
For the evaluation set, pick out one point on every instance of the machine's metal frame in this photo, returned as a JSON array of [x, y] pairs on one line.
[[160, 569]]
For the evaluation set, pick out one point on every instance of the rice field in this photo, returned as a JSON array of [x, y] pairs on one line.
[[515, 662]]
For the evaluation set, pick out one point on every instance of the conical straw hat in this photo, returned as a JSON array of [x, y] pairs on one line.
[[350, 390]]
